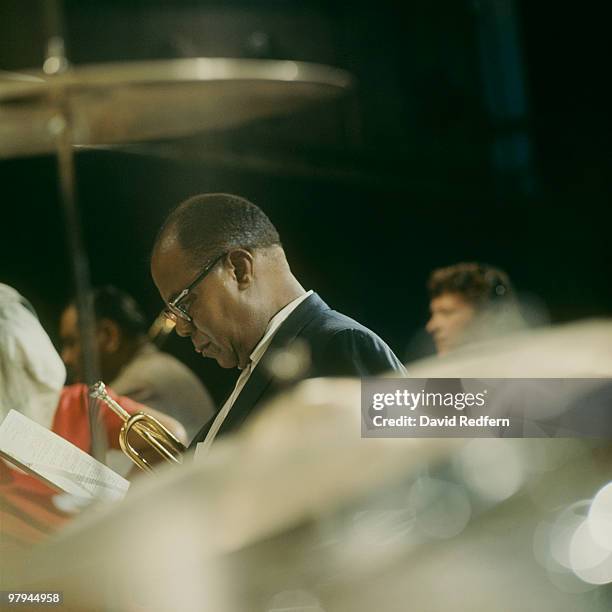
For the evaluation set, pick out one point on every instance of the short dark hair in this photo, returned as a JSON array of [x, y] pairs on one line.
[[208, 225], [116, 305], [479, 284]]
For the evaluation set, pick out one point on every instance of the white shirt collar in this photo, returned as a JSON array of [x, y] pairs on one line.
[[275, 322]]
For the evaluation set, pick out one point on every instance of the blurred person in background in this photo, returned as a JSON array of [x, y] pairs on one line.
[[131, 364], [470, 302], [32, 378]]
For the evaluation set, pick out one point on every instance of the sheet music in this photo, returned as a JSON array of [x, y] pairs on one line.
[[31, 446]]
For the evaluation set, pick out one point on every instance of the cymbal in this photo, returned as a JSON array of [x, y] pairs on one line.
[[572, 350], [299, 498], [135, 101]]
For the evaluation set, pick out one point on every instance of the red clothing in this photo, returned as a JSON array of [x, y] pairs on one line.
[[27, 512]]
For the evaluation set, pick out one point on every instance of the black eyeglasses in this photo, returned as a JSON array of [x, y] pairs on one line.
[[175, 309]]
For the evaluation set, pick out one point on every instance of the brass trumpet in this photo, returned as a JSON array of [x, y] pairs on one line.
[[146, 426]]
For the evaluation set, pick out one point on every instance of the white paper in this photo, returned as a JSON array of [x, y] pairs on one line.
[[57, 460]]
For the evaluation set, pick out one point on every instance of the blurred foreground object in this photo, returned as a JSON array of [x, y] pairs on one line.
[[298, 510], [572, 350], [32, 374]]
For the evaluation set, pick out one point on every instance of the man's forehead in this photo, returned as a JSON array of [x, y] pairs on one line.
[[171, 268], [449, 300], [66, 313], [68, 320]]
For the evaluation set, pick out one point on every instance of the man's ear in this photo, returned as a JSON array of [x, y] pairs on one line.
[[109, 336], [241, 262]]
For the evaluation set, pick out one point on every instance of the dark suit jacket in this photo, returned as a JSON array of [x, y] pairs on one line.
[[339, 346]]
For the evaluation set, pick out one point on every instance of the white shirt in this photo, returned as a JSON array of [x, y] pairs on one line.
[[275, 322], [32, 374]]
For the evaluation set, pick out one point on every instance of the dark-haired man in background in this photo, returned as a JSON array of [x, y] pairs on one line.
[[469, 302], [131, 364], [219, 266]]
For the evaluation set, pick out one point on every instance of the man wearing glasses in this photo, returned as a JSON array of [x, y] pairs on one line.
[[219, 266]]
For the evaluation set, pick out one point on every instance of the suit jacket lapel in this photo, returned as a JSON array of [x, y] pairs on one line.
[[258, 382], [261, 377]]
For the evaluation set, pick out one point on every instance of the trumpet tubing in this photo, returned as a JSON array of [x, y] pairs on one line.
[[143, 425]]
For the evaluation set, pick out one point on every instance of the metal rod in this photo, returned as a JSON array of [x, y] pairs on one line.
[[82, 285], [61, 127]]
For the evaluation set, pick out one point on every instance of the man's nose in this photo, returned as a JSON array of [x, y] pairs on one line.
[[66, 355], [432, 324], [183, 328]]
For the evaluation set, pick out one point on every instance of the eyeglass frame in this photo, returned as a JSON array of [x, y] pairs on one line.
[[173, 310]]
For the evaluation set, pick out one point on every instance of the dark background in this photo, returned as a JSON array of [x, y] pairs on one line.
[[477, 131]]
